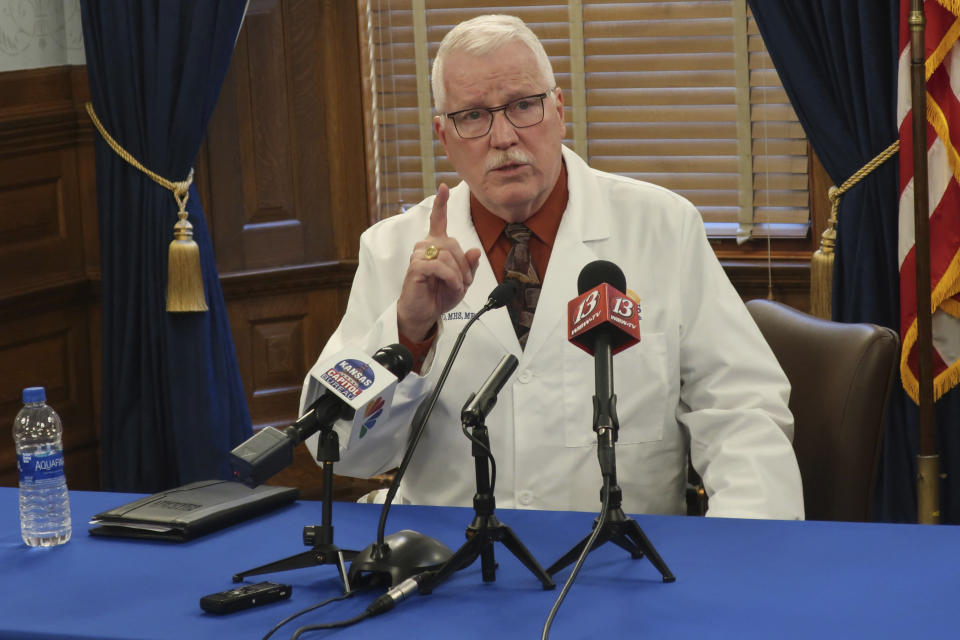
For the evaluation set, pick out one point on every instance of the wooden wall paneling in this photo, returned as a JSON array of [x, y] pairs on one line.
[[345, 125], [277, 339], [268, 335], [284, 150], [326, 309], [234, 165], [791, 280], [270, 190], [274, 232], [41, 237], [42, 109], [48, 259], [310, 105], [51, 349], [248, 153]]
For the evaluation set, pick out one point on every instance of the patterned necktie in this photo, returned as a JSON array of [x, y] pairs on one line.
[[520, 267]]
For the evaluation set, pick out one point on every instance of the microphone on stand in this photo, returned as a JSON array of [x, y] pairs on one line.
[[485, 528], [406, 553], [603, 321], [357, 388], [481, 403]]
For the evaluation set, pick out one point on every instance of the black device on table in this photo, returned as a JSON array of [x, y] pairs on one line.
[[245, 597]]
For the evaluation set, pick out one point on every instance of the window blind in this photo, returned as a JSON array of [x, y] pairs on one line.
[[675, 92]]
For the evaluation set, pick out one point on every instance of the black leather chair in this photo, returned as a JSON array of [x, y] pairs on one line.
[[841, 376]]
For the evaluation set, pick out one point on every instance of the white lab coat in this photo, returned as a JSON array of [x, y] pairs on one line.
[[701, 378]]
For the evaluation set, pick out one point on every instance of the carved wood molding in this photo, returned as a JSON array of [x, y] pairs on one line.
[[787, 274], [335, 274], [784, 280], [46, 297], [294, 279], [42, 109]]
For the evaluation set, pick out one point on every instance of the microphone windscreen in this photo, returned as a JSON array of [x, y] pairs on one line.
[[396, 358], [601, 272], [502, 294]]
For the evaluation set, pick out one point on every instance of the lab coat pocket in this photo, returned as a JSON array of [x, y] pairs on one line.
[[639, 382]]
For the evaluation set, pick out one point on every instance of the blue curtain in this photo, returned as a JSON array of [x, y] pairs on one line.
[[173, 403], [838, 63]]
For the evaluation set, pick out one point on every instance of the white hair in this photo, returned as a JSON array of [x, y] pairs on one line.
[[482, 35]]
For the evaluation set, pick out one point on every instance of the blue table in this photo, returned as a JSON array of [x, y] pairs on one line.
[[735, 579]]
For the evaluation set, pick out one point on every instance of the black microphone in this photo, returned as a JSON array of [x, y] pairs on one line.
[[480, 404], [601, 272], [603, 320], [270, 450], [406, 553]]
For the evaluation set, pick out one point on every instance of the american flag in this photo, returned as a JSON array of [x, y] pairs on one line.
[[943, 161]]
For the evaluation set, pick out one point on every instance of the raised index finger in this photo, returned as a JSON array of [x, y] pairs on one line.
[[438, 216]]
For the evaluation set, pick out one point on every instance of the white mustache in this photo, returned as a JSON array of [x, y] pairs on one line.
[[510, 156]]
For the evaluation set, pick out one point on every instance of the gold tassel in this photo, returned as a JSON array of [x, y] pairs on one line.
[[184, 275], [821, 264]]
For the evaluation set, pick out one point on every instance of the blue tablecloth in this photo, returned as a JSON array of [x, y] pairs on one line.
[[735, 579]]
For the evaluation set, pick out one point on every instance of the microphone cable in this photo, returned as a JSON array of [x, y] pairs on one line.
[[342, 596], [479, 404], [329, 625], [601, 521], [382, 604], [420, 422], [500, 295], [487, 453]]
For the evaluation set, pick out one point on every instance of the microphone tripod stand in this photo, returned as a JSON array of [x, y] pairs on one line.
[[485, 529], [617, 527], [623, 531], [319, 537]]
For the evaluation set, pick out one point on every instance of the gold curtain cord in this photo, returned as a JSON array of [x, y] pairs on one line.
[[821, 265], [185, 278], [834, 193]]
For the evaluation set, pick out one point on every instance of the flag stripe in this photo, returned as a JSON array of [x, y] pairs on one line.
[[942, 70]]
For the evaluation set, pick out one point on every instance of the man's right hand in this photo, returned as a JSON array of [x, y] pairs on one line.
[[432, 287]]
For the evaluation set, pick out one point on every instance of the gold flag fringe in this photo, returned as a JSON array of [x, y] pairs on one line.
[[821, 263], [184, 275], [941, 298]]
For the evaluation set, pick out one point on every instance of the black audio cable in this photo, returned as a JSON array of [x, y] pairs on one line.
[[342, 596], [382, 604], [583, 555]]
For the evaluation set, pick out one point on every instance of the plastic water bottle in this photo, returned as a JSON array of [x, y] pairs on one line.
[[44, 502]]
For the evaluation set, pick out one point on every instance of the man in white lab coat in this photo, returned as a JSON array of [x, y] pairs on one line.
[[702, 380]]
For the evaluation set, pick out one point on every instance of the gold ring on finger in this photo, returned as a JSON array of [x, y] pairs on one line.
[[431, 252]]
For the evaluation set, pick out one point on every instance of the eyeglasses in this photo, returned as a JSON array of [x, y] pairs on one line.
[[476, 122]]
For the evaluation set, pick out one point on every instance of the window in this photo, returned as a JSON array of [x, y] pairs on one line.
[[675, 92]]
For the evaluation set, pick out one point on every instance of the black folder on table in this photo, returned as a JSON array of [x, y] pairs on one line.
[[190, 511]]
